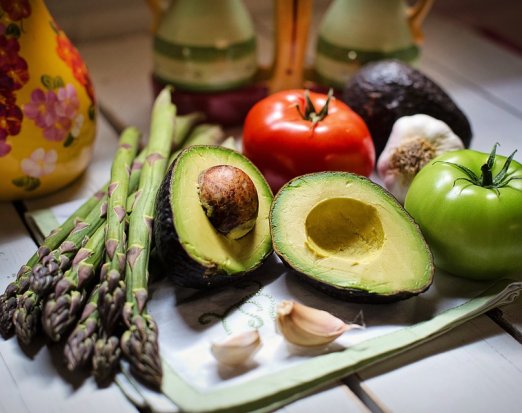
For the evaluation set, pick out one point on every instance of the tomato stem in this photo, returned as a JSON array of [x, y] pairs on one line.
[[487, 176], [487, 180], [310, 112]]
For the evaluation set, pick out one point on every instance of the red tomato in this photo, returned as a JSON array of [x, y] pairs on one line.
[[281, 138]]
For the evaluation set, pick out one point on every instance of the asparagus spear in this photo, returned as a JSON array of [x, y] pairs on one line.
[[204, 134], [112, 289], [21, 284], [26, 316], [106, 353], [139, 342], [106, 357], [62, 307], [8, 300], [26, 325], [51, 268], [112, 292], [80, 343], [184, 125]]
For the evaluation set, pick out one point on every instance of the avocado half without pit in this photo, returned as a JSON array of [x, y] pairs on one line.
[[211, 224], [350, 238]]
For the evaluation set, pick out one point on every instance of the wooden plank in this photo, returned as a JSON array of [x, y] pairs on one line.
[[339, 399], [38, 382], [512, 314], [15, 249], [16, 246], [476, 368]]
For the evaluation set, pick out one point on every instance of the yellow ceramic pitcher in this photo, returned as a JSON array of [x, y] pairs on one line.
[[47, 104]]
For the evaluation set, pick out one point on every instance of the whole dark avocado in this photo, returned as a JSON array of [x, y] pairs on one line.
[[382, 92]]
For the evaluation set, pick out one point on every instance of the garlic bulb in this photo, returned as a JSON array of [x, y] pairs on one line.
[[236, 349], [307, 326], [413, 142]]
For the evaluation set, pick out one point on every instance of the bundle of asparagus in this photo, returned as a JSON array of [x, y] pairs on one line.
[[90, 274]]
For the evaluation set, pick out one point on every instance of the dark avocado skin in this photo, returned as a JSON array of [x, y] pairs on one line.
[[175, 261], [357, 296], [382, 92], [352, 295]]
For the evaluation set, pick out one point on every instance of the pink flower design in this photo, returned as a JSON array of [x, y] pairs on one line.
[[68, 102], [5, 148], [40, 163], [53, 112]]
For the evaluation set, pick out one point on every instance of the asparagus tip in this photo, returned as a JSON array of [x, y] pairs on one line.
[[140, 345], [7, 309], [80, 344]]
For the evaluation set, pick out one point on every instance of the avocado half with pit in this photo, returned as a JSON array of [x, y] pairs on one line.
[[211, 224], [350, 238]]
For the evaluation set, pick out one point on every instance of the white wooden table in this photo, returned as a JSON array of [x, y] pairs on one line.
[[477, 367]]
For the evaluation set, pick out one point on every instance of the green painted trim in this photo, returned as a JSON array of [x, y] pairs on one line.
[[358, 56], [206, 54], [198, 87], [269, 392]]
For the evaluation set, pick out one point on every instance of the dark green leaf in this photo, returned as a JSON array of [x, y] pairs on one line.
[[324, 110], [58, 82], [19, 182], [91, 112], [28, 183], [47, 81], [500, 176], [471, 175], [491, 158], [69, 141], [508, 181], [13, 30], [309, 106], [32, 183]]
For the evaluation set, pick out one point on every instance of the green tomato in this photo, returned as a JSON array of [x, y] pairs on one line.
[[468, 205]]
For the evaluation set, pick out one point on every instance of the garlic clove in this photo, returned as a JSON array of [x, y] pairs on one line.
[[414, 141], [236, 349], [307, 326]]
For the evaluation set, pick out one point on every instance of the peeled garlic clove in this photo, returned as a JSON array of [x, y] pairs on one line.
[[413, 142], [236, 349], [307, 326]]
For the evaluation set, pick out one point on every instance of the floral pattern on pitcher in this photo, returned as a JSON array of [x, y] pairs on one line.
[[47, 102], [55, 111], [39, 164], [69, 54], [14, 74]]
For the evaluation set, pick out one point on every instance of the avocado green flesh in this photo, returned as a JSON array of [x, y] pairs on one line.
[[346, 232], [196, 234]]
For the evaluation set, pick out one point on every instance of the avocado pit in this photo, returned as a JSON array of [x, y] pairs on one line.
[[229, 198]]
